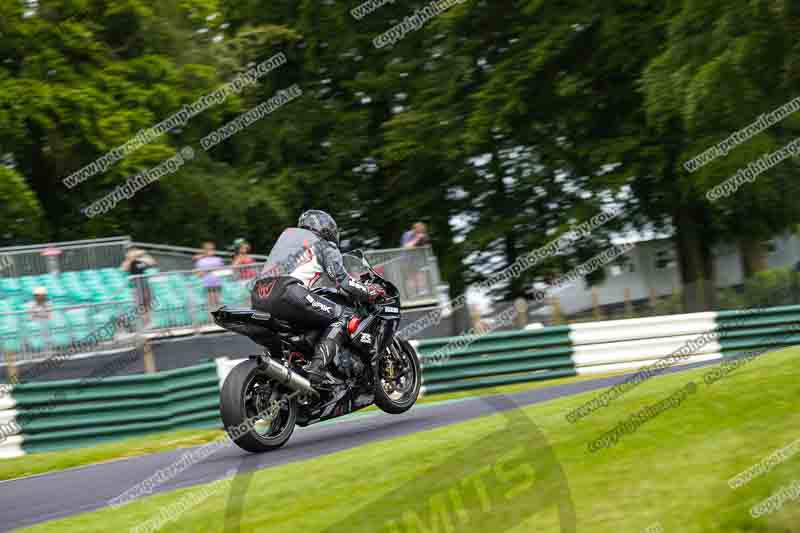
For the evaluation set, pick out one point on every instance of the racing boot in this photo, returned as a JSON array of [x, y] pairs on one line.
[[324, 353], [317, 369]]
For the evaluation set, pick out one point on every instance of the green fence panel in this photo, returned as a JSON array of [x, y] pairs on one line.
[[73, 413]]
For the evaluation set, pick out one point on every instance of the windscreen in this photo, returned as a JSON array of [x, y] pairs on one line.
[[354, 265]]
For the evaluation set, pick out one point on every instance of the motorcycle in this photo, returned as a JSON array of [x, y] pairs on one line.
[[264, 397]]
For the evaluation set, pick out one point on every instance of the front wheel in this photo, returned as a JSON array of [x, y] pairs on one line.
[[398, 378], [257, 412]]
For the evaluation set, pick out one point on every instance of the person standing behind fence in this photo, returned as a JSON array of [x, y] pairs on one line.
[[207, 264], [40, 310], [416, 236], [241, 258], [136, 263], [416, 282]]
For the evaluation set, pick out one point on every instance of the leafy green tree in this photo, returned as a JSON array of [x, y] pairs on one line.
[[723, 64], [21, 216]]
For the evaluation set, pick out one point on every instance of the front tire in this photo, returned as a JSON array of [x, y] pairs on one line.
[[256, 415], [395, 396]]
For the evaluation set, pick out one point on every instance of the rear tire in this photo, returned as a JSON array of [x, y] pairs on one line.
[[244, 395], [383, 399]]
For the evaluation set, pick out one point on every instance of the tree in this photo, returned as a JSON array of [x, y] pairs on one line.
[[21, 216], [723, 64]]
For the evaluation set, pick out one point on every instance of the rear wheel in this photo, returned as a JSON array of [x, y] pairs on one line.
[[257, 412], [398, 379]]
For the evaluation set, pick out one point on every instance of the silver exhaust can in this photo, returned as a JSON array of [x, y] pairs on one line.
[[286, 376]]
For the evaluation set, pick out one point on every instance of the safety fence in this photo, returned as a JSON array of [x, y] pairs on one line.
[[72, 256], [77, 303], [36, 417], [461, 363]]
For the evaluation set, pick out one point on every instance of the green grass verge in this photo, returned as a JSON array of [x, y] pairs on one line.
[[673, 471], [171, 440]]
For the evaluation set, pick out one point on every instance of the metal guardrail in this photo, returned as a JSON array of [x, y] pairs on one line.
[[33, 260], [183, 301], [415, 272], [186, 302], [175, 258]]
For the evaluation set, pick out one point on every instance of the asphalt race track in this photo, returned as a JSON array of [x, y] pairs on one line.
[[44, 497]]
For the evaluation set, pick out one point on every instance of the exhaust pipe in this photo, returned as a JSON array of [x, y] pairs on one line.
[[286, 376]]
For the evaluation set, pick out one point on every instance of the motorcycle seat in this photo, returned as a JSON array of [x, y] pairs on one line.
[[228, 317]]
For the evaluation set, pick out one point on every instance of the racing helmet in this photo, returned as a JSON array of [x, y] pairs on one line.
[[320, 223]]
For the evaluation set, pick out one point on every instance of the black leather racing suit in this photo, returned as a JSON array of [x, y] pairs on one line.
[[300, 261]]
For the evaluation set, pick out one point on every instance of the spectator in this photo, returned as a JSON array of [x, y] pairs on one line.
[[241, 258], [416, 236], [136, 262], [39, 308], [206, 265], [416, 279]]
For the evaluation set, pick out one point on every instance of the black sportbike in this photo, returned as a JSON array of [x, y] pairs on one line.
[[265, 396]]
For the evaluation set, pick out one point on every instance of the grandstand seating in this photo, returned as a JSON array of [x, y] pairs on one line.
[[85, 300]]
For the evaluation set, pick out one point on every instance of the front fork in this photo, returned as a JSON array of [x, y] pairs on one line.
[[389, 366]]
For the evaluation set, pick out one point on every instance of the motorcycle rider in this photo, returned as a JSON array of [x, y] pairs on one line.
[[302, 259]]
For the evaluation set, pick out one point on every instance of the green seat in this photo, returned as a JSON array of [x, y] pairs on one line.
[[10, 285], [9, 322], [33, 333], [60, 330], [235, 294]]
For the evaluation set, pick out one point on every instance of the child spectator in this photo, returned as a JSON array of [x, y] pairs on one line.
[[241, 258], [207, 263]]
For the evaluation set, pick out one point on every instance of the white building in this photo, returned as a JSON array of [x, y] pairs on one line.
[[652, 267]]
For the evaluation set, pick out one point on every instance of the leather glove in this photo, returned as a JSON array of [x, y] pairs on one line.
[[375, 292]]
